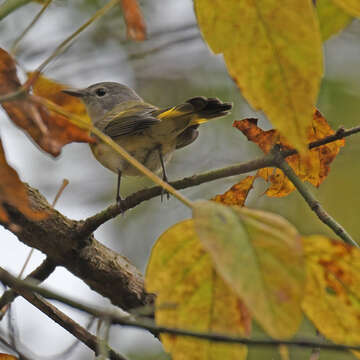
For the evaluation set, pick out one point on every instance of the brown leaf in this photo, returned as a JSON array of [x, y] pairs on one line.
[[7, 357], [237, 194], [13, 192], [49, 130], [314, 168], [136, 28], [264, 139], [52, 90]]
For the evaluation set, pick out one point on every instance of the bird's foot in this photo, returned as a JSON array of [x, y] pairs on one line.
[[120, 204], [164, 193]]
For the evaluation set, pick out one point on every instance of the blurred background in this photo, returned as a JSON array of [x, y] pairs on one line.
[[172, 65]]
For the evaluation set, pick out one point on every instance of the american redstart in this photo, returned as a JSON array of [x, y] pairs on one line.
[[148, 133]]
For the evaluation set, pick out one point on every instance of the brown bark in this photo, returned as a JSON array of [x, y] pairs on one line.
[[105, 271]]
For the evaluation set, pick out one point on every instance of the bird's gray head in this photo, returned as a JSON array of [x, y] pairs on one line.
[[103, 97]]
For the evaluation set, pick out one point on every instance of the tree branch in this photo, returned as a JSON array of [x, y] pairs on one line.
[[92, 223], [89, 225], [105, 271], [313, 203], [41, 273], [67, 323], [70, 244], [148, 324]]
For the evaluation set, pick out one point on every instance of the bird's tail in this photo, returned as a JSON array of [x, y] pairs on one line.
[[200, 109], [207, 108]]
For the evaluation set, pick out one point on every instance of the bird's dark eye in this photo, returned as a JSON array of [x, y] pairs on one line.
[[100, 92]]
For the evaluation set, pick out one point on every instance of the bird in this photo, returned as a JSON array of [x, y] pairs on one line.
[[147, 132]]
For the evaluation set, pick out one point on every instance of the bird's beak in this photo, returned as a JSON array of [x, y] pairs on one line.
[[74, 92]]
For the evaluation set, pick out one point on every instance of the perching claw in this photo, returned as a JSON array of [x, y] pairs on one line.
[[164, 177]]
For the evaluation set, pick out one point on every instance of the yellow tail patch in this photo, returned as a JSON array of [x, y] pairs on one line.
[[176, 112]]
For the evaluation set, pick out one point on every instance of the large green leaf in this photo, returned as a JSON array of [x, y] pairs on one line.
[[260, 256]]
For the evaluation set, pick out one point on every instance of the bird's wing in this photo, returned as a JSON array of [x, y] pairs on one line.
[[130, 121]]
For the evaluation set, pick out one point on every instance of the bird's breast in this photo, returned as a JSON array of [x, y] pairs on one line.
[[143, 150]]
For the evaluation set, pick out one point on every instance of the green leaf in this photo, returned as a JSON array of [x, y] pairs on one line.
[[260, 256]]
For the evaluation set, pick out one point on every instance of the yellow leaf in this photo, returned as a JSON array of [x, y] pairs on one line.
[[259, 255], [350, 6], [237, 194], [332, 292], [190, 295], [331, 18], [273, 51]]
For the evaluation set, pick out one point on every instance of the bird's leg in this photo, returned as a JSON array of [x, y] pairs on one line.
[[164, 176], [118, 196]]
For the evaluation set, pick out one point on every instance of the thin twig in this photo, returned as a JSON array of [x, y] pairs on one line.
[[339, 134], [68, 324], [92, 223], [313, 203], [5, 343], [59, 49], [27, 29], [147, 324], [71, 348], [64, 44], [40, 274], [64, 184], [57, 196], [7, 7], [315, 354]]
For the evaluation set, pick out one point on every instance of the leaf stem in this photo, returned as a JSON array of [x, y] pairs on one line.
[[9, 6], [27, 29], [43, 271], [63, 45], [313, 203]]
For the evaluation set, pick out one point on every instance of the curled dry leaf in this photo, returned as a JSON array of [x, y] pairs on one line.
[[314, 168], [135, 24], [49, 130], [191, 295], [237, 194], [13, 192]]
